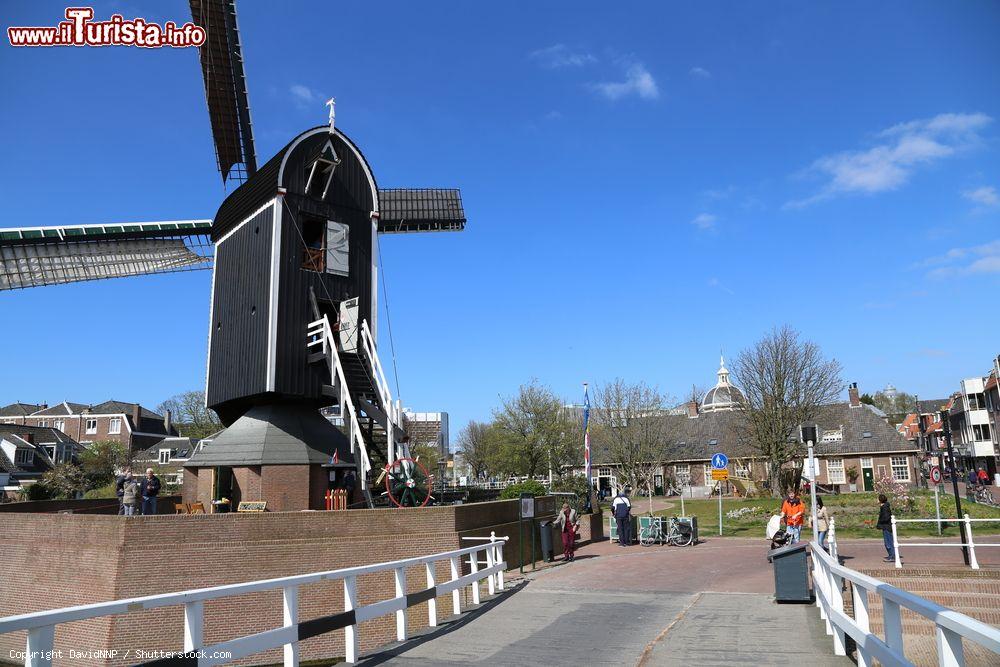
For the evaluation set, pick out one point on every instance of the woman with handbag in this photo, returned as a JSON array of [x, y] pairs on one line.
[[567, 522]]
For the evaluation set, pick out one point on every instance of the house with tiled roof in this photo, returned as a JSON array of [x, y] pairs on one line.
[[27, 452], [851, 434], [131, 424]]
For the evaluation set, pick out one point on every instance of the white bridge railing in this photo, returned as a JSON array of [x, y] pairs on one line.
[[965, 525], [951, 627], [41, 625]]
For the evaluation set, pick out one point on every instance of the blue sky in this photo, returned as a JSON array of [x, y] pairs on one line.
[[645, 185]]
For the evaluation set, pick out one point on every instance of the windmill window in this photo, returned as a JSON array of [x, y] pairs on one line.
[[318, 178], [312, 235]]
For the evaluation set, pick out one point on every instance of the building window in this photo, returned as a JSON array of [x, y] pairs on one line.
[[59, 424], [51, 451], [900, 468], [91, 426], [604, 472], [43, 423], [708, 474], [114, 426], [981, 431], [682, 471], [741, 469], [24, 456], [164, 456], [866, 462], [835, 471]]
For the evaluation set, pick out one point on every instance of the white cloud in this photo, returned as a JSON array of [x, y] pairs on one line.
[[304, 96], [984, 196], [717, 284], [559, 55], [889, 165], [700, 73], [705, 221], [977, 260], [638, 81]]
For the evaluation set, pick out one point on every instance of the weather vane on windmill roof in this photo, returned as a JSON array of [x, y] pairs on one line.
[[332, 103]]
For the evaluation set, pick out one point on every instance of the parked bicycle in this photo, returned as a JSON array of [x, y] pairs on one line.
[[676, 533], [984, 495]]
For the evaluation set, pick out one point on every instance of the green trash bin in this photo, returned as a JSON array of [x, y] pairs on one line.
[[613, 529]]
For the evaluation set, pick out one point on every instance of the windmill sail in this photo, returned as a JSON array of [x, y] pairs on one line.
[[405, 210], [38, 256], [226, 88]]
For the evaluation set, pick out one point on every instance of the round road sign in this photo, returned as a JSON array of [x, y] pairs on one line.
[[936, 474]]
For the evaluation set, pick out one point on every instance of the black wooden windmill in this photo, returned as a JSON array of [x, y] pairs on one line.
[[294, 254]]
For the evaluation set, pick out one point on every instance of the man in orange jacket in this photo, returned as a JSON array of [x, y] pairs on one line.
[[793, 511]]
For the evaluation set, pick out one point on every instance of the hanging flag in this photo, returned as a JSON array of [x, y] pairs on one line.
[[335, 459], [586, 434]]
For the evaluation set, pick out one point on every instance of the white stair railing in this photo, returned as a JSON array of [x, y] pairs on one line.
[[393, 410], [320, 333]]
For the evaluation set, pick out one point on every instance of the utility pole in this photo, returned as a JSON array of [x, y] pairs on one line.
[[946, 425]]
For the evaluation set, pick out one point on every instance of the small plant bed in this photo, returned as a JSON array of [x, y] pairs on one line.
[[855, 515]]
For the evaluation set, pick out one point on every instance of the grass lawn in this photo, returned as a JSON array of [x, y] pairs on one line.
[[850, 510]]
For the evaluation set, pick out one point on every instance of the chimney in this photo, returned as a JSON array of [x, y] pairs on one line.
[[136, 414], [852, 393], [43, 406], [167, 423], [692, 409], [29, 438]]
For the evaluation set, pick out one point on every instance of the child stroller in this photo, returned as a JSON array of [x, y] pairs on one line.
[[776, 533]]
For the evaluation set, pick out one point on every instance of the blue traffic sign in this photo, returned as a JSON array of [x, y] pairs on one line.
[[720, 461]]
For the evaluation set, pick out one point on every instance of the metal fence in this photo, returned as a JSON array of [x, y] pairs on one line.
[[965, 526], [41, 625]]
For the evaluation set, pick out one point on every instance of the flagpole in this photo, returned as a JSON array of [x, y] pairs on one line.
[[587, 506]]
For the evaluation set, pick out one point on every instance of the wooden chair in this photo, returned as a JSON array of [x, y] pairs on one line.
[[182, 508], [196, 508]]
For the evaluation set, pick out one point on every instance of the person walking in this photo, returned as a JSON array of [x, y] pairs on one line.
[[567, 522], [885, 523], [130, 495], [973, 478], [621, 508], [119, 483], [149, 488], [983, 477], [793, 511], [821, 523]]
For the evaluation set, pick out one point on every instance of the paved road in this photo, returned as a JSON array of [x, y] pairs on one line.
[[703, 605]]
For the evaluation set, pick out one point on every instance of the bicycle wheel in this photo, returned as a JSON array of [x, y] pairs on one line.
[[679, 539], [647, 537]]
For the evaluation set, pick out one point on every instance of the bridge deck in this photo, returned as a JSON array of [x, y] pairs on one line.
[[706, 605]]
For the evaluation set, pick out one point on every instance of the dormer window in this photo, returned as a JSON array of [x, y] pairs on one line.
[[319, 174], [164, 456]]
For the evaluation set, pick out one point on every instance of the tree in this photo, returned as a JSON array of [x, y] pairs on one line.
[[102, 460], [631, 421], [65, 480], [190, 416], [783, 381], [478, 444], [534, 434], [896, 405]]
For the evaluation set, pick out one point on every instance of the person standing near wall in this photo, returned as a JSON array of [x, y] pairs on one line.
[[150, 489], [621, 508], [130, 494], [885, 524], [567, 522], [119, 483], [821, 523]]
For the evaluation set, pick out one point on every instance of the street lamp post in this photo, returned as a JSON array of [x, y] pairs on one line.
[[946, 425]]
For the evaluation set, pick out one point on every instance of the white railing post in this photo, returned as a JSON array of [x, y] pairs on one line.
[[290, 616], [401, 613], [39, 646], [490, 581], [893, 624], [474, 564], [456, 595], [972, 545], [949, 648], [895, 543], [432, 604], [831, 539], [499, 548], [193, 625], [859, 596], [351, 642], [837, 604]]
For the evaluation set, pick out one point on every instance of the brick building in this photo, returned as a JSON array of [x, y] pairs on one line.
[[27, 452], [852, 435], [128, 423]]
